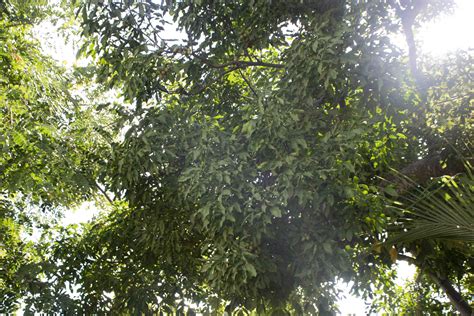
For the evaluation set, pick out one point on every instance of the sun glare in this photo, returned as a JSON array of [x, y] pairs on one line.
[[448, 33]]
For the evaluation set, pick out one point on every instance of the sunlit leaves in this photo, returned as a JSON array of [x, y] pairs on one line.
[[247, 174], [267, 142]]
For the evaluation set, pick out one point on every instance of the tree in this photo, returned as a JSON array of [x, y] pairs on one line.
[[49, 148], [249, 175]]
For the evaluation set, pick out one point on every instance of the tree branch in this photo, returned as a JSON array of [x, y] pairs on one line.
[[204, 87], [103, 193], [238, 63], [454, 296], [248, 83], [422, 170], [408, 14], [408, 259]]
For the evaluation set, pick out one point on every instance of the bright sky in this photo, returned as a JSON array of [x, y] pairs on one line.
[[451, 32], [446, 34]]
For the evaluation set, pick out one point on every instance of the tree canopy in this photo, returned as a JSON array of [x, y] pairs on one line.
[[270, 151]]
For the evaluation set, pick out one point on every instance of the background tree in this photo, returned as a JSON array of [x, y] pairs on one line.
[[50, 148]]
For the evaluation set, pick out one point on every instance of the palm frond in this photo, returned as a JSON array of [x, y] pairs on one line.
[[446, 212]]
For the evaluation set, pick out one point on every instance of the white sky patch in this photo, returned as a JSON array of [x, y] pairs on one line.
[[449, 32], [83, 213], [355, 306], [405, 272], [57, 46], [350, 304]]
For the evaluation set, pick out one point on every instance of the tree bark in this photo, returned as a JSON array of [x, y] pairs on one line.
[[454, 296], [422, 170], [461, 305]]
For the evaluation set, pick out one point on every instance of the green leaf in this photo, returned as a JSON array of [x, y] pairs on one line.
[[276, 211], [391, 191], [327, 247], [251, 270]]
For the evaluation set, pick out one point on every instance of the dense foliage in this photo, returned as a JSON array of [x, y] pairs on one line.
[[48, 148], [272, 150]]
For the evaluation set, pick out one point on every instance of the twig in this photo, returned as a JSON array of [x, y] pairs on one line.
[[248, 83], [103, 192], [238, 63]]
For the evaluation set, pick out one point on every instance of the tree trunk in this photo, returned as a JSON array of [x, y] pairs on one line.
[[461, 305], [454, 296]]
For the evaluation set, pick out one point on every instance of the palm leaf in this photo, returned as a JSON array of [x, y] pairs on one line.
[[444, 213]]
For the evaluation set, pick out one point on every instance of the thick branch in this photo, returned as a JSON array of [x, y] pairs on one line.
[[204, 87], [430, 167], [454, 296], [412, 53], [408, 259], [238, 63], [408, 11], [420, 171], [103, 193], [243, 64]]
